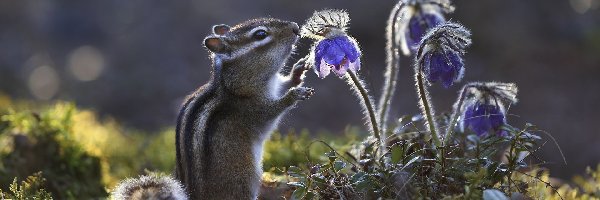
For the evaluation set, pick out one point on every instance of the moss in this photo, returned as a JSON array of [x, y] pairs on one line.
[[30, 188], [42, 142], [79, 154], [293, 149]]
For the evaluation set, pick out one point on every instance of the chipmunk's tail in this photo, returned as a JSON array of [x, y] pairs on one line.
[[149, 187]]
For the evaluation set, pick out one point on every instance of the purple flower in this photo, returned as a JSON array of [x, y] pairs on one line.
[[334, 49], [446, 67], [418, 26], [483, 118], [483, 109], [439, 54], [414, 18], [336, 54]]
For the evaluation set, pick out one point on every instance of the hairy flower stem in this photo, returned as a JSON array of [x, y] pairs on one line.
[[392, 68], [425, 106], [455, 114], [367, 104]]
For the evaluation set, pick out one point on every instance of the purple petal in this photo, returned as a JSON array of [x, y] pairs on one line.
[[443, 66], [434, 66], [338, 54], [419, 24], [320, 51], [334, 55], [341, 69], [453, 70], [324, 69], [348, 47], [355, 66], [483, 118]]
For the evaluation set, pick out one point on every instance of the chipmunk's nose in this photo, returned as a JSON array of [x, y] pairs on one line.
[[295, 28]]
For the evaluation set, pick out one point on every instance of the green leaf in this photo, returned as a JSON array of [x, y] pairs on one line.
[[295, 172], [310, 195], [415, 159], [357, 177], [363, 185], [318, 180], [324, 168], [338, 165], [368, 148], [331, 155], [296, 184], [299, 193], [397, 154]]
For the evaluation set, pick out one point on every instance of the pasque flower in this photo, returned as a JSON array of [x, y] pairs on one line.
[[484, 111], [439, 54], [407, 23], [439, 58], [485, 118], [446, 67], [415, 18], [336, 54], [334, 49]]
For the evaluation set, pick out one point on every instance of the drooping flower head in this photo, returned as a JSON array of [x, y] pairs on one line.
[[415, 18], [485, 118], [334, 49], [439, 55], [484, 111]]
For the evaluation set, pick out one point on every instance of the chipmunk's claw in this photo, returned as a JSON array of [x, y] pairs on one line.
[[301, 66], [303, 93]]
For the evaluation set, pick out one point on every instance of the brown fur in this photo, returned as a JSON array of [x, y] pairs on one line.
[[223, 125]]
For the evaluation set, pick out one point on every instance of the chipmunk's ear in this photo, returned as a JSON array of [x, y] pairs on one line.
[[221, 29], [215, 44]]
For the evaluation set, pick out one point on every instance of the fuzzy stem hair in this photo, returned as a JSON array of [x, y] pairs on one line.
[[456, 111], [392, 68], [366, 102], [425, 104]]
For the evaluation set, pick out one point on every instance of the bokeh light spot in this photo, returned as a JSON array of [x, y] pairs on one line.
[[581, 6], [44, 82], [86, 63]]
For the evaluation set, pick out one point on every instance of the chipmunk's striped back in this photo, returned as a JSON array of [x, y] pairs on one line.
[[193, 119]]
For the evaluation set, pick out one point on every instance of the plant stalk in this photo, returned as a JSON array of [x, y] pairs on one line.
[[455, 114], [426, 106], [392, 68], [366, 102]]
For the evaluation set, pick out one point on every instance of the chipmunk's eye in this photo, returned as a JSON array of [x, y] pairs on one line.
[[260, 35]]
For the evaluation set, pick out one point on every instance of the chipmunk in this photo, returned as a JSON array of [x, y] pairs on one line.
[[222, 126]]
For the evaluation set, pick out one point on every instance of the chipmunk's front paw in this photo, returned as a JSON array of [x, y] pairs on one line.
[[298, 71], [302, 93], [301, 66]]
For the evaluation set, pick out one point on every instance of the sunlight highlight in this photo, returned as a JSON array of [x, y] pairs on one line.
[[43, 82], [581, 6], [86, 63]]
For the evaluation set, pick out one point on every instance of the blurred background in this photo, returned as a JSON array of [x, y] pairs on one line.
[[136, 60]]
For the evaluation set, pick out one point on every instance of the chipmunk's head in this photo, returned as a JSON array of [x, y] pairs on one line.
[[258, 43]]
